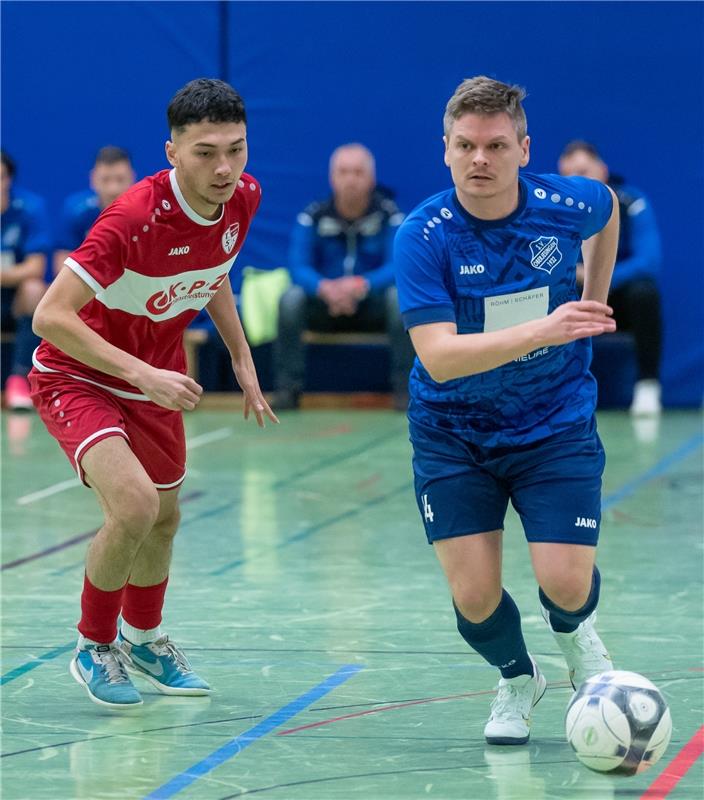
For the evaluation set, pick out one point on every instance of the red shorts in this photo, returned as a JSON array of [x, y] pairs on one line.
[[79, 415]]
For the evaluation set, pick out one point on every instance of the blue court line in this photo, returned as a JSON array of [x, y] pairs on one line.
[[23, 669], [311, 529], [658, 469], [238, 744]]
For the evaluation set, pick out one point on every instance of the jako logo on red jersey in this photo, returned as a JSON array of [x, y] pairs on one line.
[[229, 238], [161, 302]]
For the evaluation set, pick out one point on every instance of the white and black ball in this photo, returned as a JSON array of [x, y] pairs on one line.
[[618, 722]]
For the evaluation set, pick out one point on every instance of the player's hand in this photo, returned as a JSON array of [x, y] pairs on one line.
[[254, 400], [170, 389], [577, 320]]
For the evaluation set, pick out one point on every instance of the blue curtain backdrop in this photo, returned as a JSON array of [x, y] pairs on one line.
[[628, 76]]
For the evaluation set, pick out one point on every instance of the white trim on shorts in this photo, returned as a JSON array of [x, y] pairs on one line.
[[82, 446], [164, 486]]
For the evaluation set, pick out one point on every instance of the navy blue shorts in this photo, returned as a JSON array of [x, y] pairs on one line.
[[554, 485]]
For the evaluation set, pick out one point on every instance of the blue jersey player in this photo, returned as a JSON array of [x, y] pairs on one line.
[[502, 401]]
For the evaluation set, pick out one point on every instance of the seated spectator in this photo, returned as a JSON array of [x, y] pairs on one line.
[[634, 295], [25, 244], [112, 174], [341, 266]]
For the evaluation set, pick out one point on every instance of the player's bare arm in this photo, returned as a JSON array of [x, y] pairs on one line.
[[223, 312], [32, 267], [56, 320], [448, 355], [599, 254]]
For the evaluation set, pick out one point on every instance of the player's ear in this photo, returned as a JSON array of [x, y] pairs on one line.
[[170, 149], [525, 147], [446, 143]]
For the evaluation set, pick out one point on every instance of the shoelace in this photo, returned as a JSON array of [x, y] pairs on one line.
[[590, 645], [165, 647], [504, 703], [111, 661]]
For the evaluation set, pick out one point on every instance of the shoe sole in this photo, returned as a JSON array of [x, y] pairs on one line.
[[511, 740], [76, 675], [173, 691]]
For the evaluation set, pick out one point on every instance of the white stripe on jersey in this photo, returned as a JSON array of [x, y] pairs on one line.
[[117, 392], [83, 274], [159, 298]]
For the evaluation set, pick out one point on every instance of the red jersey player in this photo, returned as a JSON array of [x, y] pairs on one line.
[[109, 378]]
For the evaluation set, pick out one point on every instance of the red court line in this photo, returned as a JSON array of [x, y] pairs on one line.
[[676, 769], [394, 706]]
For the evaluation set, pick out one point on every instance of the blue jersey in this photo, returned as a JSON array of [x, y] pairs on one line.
[[24, 227], [484, 275], [79, 212]]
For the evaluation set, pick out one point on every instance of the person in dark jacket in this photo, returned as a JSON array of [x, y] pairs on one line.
[[340, 261], [634, 294]]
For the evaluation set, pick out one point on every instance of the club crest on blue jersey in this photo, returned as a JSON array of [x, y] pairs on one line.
[[545, 253]]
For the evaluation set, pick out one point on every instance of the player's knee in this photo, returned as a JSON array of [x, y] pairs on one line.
[[167, 526], [568, 592], [137, 513], [476, 603]]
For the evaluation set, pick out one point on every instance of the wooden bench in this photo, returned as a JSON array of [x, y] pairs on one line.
[[317, 337]]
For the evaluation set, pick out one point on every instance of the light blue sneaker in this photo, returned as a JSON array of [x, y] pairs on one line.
[[164, 665], [100, 669]]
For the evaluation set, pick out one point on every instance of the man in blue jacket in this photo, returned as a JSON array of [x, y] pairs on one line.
[[341, 265], [634, 294], [24, 245], [112, 174]]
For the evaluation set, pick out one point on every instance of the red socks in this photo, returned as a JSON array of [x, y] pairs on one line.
[[142, 605], [141, 608], [99, 612]]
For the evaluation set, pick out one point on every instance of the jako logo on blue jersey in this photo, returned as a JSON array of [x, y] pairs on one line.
[[471, 269], [585, 522], [545, 253]]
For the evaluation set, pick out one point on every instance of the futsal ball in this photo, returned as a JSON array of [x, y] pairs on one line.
[[618, 722]]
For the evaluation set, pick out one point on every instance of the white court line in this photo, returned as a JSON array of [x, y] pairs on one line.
[[71, 483], [42, 493], [207, 438]]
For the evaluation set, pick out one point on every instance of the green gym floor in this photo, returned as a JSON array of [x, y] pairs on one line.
[[303, 589]]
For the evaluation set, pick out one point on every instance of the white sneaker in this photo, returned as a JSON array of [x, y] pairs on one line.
[[509, 722], [583, 650], [646, 399]]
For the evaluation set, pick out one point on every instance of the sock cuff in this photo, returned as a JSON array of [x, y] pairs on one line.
[[139, 635], [586, 609], [506, 604]]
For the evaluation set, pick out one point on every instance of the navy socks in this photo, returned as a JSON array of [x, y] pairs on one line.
[[562, 621], [499, 638]]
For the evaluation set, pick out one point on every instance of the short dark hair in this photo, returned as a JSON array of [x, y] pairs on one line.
[[8, 163], [205, 99], [580, 146], [112, 155]]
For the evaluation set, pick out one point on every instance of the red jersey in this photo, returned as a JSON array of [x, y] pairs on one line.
[[153, 263]]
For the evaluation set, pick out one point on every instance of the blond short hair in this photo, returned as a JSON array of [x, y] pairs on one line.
[[482, 95]]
